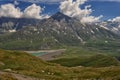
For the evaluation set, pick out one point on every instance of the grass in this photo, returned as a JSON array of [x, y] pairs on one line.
[[108, 46], [72, 52], [26, 64], [93, 61], [77, 56]]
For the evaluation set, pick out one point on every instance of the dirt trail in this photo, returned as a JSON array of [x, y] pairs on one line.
[[20, 77]]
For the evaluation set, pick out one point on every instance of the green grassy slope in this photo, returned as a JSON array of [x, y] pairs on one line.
[[23, 63], [76, 56], [72, 52], [111, 47], [94, 61]]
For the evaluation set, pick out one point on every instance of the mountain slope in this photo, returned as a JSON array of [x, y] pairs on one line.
[[14, 24], [58, 30], [112, 25]]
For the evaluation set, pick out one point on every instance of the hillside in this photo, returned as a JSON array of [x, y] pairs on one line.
[[75, 56], [94, 61], [24, 64]]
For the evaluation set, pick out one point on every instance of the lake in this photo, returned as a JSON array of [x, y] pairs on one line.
[[36, 53]]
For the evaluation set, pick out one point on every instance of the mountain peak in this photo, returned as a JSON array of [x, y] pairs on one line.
[[60, 16]]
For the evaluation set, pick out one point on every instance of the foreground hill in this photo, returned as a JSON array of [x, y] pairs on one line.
[[20, 63]]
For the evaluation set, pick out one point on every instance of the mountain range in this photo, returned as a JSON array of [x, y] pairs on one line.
[[58, 30]]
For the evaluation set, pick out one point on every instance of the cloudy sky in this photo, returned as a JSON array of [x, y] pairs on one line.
[[84, 10]]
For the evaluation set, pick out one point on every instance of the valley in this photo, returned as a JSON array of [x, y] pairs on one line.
[[59, 48], [67, 44]]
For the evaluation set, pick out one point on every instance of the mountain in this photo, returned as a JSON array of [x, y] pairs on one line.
[[60, 16], [14, 24], [58, 30], [112, 26]]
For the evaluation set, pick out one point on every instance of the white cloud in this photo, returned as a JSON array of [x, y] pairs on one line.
[[57, 1], [90, 19], [42, 1], [107, 0], [9, 10], [117, 19], [32, 11], [72, 9]]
